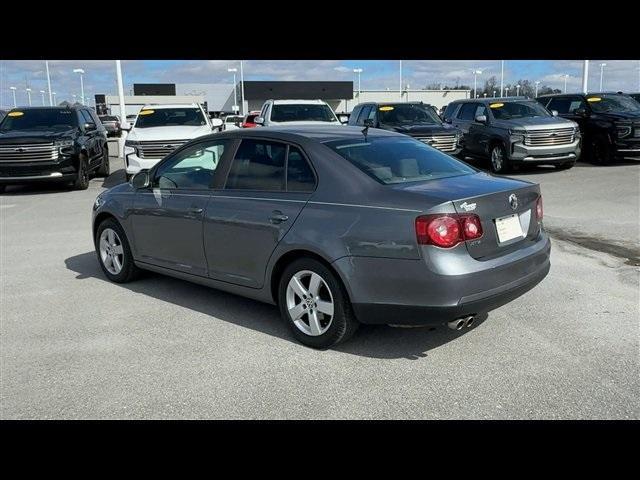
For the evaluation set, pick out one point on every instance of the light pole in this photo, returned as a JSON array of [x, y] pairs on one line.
[[565, 82], [494, 94], [81, 72], [602, 65], [46, 64], [537, 83], [501, 78], [475, 82], [585, 76], [53, 95], [400, 79], [13, 89], [28, 90], [42, 94], [518, 90], [242, 84], [235, 90], [506, 89], [358, 71]]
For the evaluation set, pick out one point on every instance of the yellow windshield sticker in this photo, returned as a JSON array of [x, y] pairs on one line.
[[146, 112], [594, 99], [385, 109], [496, 105], [15, 114]]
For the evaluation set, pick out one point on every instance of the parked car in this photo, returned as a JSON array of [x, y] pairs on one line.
[[111, 124], [233, 122], [609, 122], [415, 119], [296, 112], [514, 131], [52, 144], [160, 129], [131, 119], [249, 120], [337, 225]]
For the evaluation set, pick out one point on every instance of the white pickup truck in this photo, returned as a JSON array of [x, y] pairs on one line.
[[160, 129]]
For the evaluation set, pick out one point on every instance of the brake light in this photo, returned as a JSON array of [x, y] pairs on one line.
[[539, 211], [447, 230]]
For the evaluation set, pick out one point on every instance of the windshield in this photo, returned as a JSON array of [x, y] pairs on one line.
[[511, 110], [39, 119], [393, 160], [407, 114], [612, 103], [302, 113], [170, 117]]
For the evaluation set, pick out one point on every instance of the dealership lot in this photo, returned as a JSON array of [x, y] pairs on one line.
[[77, 346]]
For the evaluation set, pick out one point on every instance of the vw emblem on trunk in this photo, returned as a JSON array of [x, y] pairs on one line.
[[513, 201]]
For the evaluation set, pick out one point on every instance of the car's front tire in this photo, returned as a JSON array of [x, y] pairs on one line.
[[315, 305], [498, 159], [114, 252], [105, 168], [82, 176]]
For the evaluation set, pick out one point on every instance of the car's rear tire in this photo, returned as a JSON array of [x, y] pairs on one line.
[[315, 305], [498, 160], [600, 151], [105, 168], [82, 176], [115, 256]]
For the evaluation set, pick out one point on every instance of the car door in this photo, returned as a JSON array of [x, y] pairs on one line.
[[167, 216], [88, 129], [267, 185], [478, 133], [463, 121]]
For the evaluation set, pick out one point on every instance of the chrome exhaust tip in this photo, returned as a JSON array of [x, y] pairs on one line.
[[469, 321], [456, 324]]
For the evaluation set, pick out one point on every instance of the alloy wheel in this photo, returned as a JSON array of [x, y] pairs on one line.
[[309, 303], [111, 251], [497, 160]]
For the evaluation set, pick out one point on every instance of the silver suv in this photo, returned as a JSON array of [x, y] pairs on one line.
[[516, 130]]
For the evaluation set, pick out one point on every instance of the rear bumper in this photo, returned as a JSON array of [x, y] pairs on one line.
[[408, 292]]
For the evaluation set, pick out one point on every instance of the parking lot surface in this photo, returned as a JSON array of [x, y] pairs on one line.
[[77, 346]]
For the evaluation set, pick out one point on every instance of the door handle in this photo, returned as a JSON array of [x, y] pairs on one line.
[[278, 217]]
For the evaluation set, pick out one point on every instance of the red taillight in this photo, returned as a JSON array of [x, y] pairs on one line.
[[447, 230], [539, 211]]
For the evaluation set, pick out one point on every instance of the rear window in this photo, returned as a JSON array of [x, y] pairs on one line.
[[39, 119], [398, 159]]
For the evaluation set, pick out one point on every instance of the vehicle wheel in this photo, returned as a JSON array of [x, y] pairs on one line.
[[315, 304], [105, 168], [565, 166], [114, 253], [499, 162], [82, 177], [600, 151]]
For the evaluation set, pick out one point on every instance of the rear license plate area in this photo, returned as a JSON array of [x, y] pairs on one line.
[[508, 228]]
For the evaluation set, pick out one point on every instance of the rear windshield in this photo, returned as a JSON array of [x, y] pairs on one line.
[[612, 103], [170, 117], [302, 113], [408, 114], [512, 110], [39, 119], [392, 160]]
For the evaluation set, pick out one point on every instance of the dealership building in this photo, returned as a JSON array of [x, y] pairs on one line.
[[251, 95]]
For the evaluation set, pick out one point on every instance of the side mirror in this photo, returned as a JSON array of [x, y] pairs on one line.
[[481, 119], [581, 112], [216, 123], [140, 179], [343, 119], [89, 127], [554, 113], [259, 121]]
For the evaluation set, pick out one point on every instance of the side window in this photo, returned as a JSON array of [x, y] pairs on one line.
[[543, 101], [480, 110], [449, 111], [258, 165], [192, 168], [564, 105], [353, 118], [372, 113], [299, 174], [364, 113], [467, 111]]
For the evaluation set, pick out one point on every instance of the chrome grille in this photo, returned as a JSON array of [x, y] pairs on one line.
[[32, 152], [444, 143], [555, 136], [158, 150]]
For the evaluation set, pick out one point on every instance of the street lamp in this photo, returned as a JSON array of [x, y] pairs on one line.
[[518, 90], [565, 82], [358, 71], [475, 82], [53, 94], [42, 94], [537, 83], [602, 65], [29, 95], [506, 89], [81, 72], [13, 89], [494, 94], [235, 90]]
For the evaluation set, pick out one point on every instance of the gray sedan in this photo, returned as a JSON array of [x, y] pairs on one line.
[[337, 225]]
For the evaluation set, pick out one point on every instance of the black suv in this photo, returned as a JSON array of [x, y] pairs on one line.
[[52, 144], [609, 123], [415, 119]]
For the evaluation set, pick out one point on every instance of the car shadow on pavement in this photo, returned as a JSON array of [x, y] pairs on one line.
[[375, 341], [116, 178]]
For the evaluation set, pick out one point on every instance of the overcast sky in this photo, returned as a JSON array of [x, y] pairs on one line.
[[377, 74]]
